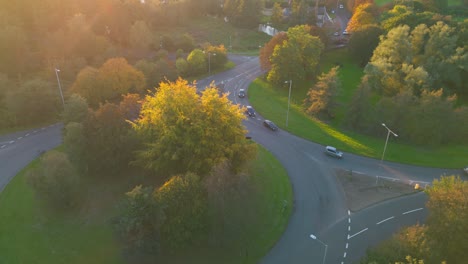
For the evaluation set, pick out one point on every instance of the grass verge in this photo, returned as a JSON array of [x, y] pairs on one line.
[[28, 235], [272, 102]]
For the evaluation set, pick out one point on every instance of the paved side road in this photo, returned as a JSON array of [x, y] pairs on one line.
[[19, 149]]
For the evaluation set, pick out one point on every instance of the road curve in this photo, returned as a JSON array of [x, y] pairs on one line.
[[18, 149], [319, 202]]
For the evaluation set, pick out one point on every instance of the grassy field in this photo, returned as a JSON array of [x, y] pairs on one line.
[[28, 235], [216, 31], [271, 102]]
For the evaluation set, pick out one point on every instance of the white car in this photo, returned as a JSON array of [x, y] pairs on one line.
[[331, 151], [341, 6], [465, 170]]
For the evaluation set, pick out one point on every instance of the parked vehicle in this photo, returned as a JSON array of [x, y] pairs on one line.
[[270, 125], [332, 151], [466, 170]]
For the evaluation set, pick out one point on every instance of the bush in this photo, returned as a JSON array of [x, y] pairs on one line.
[[55, 181]]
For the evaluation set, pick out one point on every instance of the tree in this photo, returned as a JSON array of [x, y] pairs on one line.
[[197, 62], [114, 78], [243, 13], [296, 58], [76, 109], [182, 131], [184, 201], [320, 100], [141, 36], [363, 42], [74, 142], [219, 60], [13, 50], [447, 220], [182, 67], [110, 141], [267, 50], [277, 15], [139, 221], [55, 181], [363, 15], [34, 101]]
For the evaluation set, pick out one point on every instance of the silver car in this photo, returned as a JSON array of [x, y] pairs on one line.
[[332, 151]]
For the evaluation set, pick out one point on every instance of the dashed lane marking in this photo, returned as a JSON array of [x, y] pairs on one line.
[[385, 220], [19, 138], [3, 146], [27, 135], [412, 211]]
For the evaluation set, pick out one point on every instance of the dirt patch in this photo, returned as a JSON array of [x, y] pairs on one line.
[[363, 190]]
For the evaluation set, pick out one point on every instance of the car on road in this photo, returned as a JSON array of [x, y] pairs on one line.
[[241, 93], [341, 6], [332, 151], [336, 33], [345, 32], [250, 111], [466, 170], [270, 125]]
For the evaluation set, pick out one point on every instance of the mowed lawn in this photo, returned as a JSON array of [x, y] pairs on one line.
[[29, 235], [271, 103]]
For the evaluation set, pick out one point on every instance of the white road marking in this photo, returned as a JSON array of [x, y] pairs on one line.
[[412, 211], [42, 128], [365, 229], [35, 131], [26, 135], [385, 220], [19, 138], [349, 228], [3, 146], [349, 220], [11, 142], [349, 213], [346, 245], [344, 255]]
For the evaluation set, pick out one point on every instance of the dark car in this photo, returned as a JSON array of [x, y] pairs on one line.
[[241, 93], [270, 125], [331, 151], [250, 111]]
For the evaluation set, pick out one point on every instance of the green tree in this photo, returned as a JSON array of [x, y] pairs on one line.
[[321, 99], [139, 221], [74, 142], [296, 58], [447, 220], [277, 15], [182, 67], [13, 50], [76, 109], [219, 60], [114, 78], [363, 42], [110, 141], [197, 62], [184, 201], [34, 101], [182, 131], [141, 37], [243, 13], [55, 181]]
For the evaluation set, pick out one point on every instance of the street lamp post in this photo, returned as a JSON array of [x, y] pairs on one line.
[[60, 86], [326, 247], [289, 100], [209, 62], [386, 141]]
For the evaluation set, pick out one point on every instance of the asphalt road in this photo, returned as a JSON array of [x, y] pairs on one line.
[[19, 149], [319, 202]]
